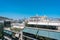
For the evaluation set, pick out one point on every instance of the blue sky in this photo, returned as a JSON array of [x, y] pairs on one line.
[[25, 8]]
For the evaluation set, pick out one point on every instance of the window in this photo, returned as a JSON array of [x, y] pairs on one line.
[[7, 24], [43, 26], [30, 35]]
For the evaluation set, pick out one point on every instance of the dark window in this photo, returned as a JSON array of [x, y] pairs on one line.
[[36, 37], [1, 31], [30, 35], [7, 24], [43, 26]]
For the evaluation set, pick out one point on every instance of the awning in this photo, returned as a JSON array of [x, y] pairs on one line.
[[41, 32], [49, 34], [30, 30], [8, 32]]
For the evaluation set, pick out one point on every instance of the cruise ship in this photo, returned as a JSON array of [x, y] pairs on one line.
[[42, 28]]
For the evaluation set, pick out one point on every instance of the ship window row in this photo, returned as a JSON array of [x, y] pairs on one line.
[[43, 26]]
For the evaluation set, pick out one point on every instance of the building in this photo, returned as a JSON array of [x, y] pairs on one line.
[[5, 24], [1, 30], [42, 28], [17, 27]]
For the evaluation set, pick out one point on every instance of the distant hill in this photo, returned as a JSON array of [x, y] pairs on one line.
[[5, 18]]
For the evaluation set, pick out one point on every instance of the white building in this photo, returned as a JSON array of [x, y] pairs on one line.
[[42, 28]]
